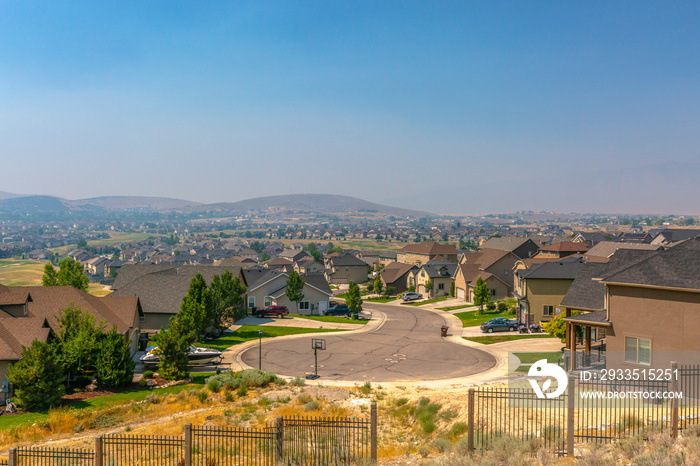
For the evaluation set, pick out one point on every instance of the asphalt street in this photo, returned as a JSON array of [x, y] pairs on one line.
[[407, 347]]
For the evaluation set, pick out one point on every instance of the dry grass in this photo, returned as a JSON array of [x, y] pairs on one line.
[[15, 272]]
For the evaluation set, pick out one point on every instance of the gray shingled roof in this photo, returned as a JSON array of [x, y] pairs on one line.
[[676, 267], [560, 270]]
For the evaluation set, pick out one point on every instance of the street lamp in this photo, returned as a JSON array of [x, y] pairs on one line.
[[260, 350]]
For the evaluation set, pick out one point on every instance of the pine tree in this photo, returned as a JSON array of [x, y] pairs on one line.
[[227, 297], [378, 284], [114, 364], [37, 377], [174, 344], [203, 315], [78, 340]]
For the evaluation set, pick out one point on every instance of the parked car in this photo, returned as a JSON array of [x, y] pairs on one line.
[[499, 324], [338, 310], [279, 311], [411, 296]]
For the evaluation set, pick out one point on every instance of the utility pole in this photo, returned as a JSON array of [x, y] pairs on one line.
[[260, 350]]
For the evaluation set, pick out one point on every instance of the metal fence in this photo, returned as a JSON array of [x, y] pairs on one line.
[[290, 440], [325, 440], [38, 456], [585, 412]]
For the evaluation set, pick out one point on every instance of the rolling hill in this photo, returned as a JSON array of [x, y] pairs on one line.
[[319, 203]]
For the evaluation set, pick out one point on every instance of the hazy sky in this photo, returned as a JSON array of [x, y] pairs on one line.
[[449, 107]]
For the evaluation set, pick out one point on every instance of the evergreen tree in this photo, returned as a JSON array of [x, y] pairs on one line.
[[37, 377], [295, 288], [354, 300], [114, 364], [203, 315], [174, 344]]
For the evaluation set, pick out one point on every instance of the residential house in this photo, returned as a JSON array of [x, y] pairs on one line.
[[649, 304], [521, 247], [593, 238], [395, 275], [606, 249], [386, 258], [670, 236], [562, 249], [345, 268], [541, 288], [435, 273], [112, 268], [161, 288], [420, 253], [270, 288], [96, 266], [294, 255], [307, 265], [29, 313], [371, 258], [279, 263], [494, 266]]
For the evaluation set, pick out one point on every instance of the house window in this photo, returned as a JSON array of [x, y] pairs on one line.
[[268, 301], [251, 301], [303, 305], [638, 350], [548, 310], [493, 292], [441, 286], [142, 318], [347, 269]]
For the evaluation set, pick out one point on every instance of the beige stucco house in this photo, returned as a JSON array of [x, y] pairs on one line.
[[270, 289]]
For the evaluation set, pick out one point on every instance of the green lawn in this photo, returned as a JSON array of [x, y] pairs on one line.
[[491, 339], [8, 422], [380, 300], [454, 308], [250, 332], [333, 319], [428, 301], [527, 359], [470, 319]]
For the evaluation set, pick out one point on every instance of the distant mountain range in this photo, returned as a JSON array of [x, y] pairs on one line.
[[14, 204]]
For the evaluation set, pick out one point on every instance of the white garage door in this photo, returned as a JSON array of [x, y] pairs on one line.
[[460, 293]]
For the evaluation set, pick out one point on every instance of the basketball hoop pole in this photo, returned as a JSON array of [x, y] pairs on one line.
[[316, 362]]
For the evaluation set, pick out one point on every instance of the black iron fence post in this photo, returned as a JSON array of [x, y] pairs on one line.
[[13, 457], [570, 404], [188, 444], [279, 436], [470, 420], [373, 432], [98, 451], [674, 400]]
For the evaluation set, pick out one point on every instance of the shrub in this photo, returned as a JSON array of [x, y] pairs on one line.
[[37, 377], [401, 401], [457, 429], [242, 391], [552, 433], [143, 382], [462, 446], [442, 445], [298, 382], [424, 451], [502, 306], [366, 388], [490, 306], [312, 405], [148, 375], [213, 385], [83, 380], [153, 398], [229, 397], [202, 396]]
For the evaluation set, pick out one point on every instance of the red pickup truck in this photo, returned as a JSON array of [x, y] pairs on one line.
[[279, 311]]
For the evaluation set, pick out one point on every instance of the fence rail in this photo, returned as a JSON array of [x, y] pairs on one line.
[[290, 440]]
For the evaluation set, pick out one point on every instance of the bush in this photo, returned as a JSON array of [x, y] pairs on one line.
[[83, 381], [442, 445], [148, 375], [312, 405], [502, 307], [242, 391], [143, 382], [298, 382], [490, 306], [366, 388], [213, 385], [202, 396], [37, 377], [457, 429]]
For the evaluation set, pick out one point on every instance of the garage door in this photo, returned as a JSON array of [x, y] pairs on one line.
[[460, 293]]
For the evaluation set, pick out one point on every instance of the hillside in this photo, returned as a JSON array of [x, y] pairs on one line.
[[136, 202], [6, 195], [317, 203]]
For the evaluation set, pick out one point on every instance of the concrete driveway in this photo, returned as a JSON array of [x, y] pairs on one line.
[[407, 346]]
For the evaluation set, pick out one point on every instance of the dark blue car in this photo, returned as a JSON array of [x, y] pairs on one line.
[[499, 324], [338, 310]]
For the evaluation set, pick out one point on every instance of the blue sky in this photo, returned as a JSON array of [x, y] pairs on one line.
[[460, 107]]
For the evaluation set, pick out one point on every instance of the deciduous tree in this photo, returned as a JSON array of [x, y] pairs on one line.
[[78, 340], [227, 296], [295, 288], [174, 343], [482, 295], [378, 285], [354, 300]]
